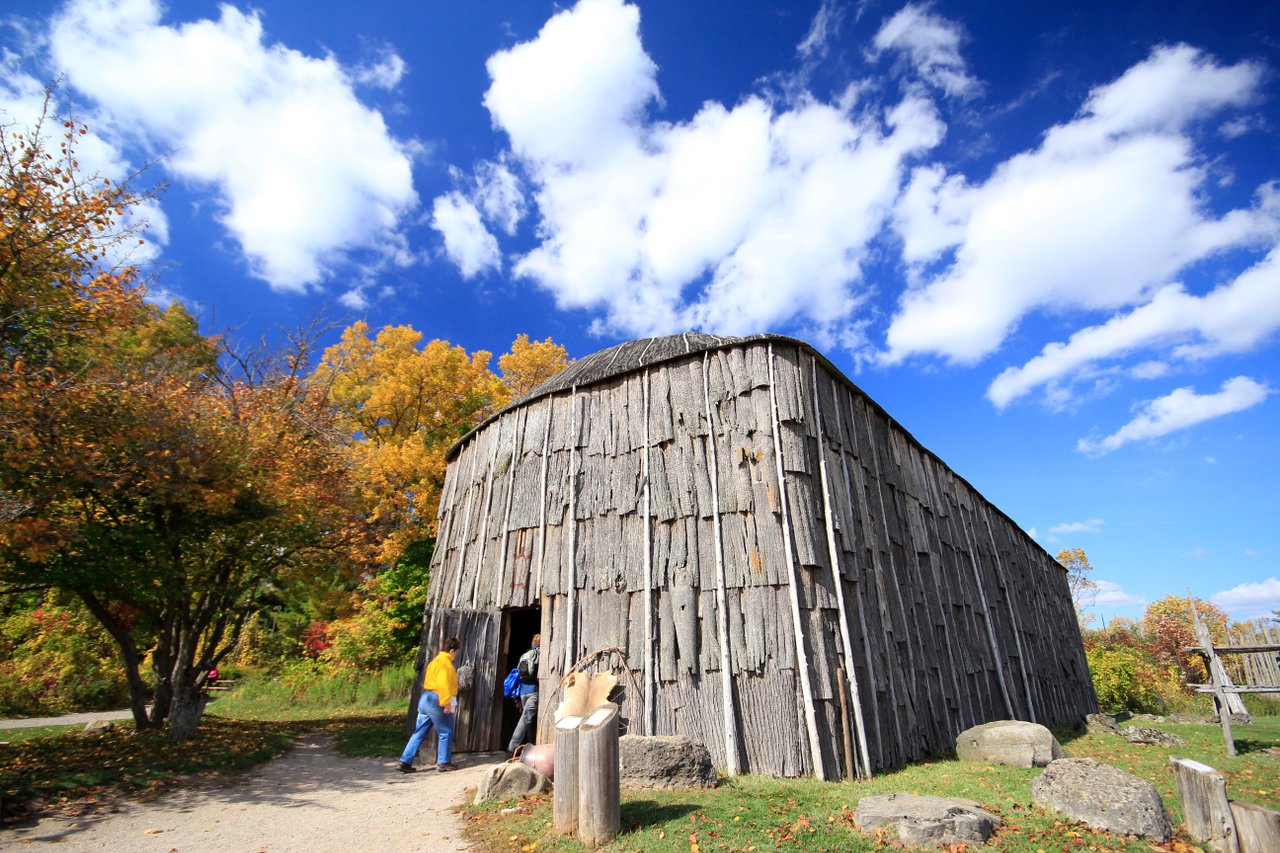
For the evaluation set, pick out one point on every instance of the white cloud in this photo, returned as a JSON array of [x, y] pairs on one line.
[[824, 27], [304, 172], [354, 299], [1249, 600], [740, 219], [499, 196], [932, 44], [1181, 409], [1101, 216], [384, 73], [1092, 525], [1232, 318], [1112, 595], [466, 241]]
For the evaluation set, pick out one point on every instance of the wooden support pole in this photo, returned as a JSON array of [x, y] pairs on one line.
[[727, 708], [522, 419], [1215, 676], [564, 802], [858, 506], [571, 617], [803, 671], [650, 670], [1013, 617], [473, 451], [846, 735], [986, 618], [599, 797], [833, 555], [542, 498], [487, 510]]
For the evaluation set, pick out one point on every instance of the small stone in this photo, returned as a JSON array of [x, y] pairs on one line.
[[1155, 737], [1101, 724], [664, 762], [505, 781], [97, 727]]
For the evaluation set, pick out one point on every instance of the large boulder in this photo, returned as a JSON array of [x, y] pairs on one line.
[[1104, 797], [664, 762], [927, 821], [1155, 737], [1012, 742], [509, 780], [1101, 724]]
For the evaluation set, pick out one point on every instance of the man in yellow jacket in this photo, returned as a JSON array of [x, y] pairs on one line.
[[435, 708]]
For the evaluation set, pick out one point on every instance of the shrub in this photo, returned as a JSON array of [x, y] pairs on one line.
[[1125, 680]]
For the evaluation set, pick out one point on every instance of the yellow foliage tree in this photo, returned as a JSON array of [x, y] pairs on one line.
[[529, 364], [406, 404]]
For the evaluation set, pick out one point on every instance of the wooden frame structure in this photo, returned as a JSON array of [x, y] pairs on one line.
[[744, 523]]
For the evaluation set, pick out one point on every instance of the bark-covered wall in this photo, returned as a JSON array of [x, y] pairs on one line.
[[702, 512]]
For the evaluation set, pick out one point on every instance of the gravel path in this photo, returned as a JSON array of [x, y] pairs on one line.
[[64, 720], [312, 799]]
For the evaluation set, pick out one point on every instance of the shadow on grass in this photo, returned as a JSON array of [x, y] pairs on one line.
[[636, 814]]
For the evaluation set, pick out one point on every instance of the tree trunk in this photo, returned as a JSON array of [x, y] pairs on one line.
[[185, 711], [128, 656]]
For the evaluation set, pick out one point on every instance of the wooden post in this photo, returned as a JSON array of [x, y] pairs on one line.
[[572, 525], [837, 580], [1257, 828], [803, 670], [599, 797], [650, 671], [849, 769], [727, 708], [564, 800], [542, 497], [1215, 675], [1203, 792]]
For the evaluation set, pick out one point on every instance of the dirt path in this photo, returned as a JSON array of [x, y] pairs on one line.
[[312, 799]]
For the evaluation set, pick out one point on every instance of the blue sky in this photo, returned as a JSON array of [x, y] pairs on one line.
[[1045, 237]]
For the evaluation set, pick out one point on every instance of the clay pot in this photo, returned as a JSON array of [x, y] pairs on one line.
[[540, 757]]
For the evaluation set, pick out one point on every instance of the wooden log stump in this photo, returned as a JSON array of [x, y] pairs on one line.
[[1257, 827], [1207, 813], [599, 798], [564, 800]]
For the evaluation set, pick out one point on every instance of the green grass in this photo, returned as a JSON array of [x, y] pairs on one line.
[[748, 814], [14, 736], [307, 693]]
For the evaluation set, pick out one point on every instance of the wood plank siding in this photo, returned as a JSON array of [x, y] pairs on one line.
[[743, 523]]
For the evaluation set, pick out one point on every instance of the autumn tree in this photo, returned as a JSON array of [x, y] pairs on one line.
[[1083, 590], [529, 364], [160, 485], [1168, 628]]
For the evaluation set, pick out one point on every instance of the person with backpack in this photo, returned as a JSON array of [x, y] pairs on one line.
[[527, 696], [435, 709]]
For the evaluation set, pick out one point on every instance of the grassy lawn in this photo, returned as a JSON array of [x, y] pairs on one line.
[[13, 736], [748, 814], [744, 815]]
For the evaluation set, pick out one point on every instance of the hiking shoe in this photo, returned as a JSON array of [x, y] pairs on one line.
[[407, 768], [445, 768]]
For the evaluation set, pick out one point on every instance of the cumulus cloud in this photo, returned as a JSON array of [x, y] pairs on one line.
[[1234, 317], [1092, 525], [740, 219], [1111, 595], [1179, 410], [466, 241], [932, 45], [1101, 216], [1249, 600], [304, 172]]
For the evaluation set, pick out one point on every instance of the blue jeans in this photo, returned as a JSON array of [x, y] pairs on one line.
[[430, 714], [526, 729]]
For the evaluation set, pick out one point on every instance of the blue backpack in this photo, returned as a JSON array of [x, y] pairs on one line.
[[511, 684]]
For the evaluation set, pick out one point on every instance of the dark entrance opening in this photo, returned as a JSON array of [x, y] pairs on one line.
[[518, 627]]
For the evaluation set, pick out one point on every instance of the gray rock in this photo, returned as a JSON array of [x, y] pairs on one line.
[[508, 780], [97, 727], [1155, 737], [664, 762], [1103, 797], [927, 821], [1012, 742], [1101, 724]]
